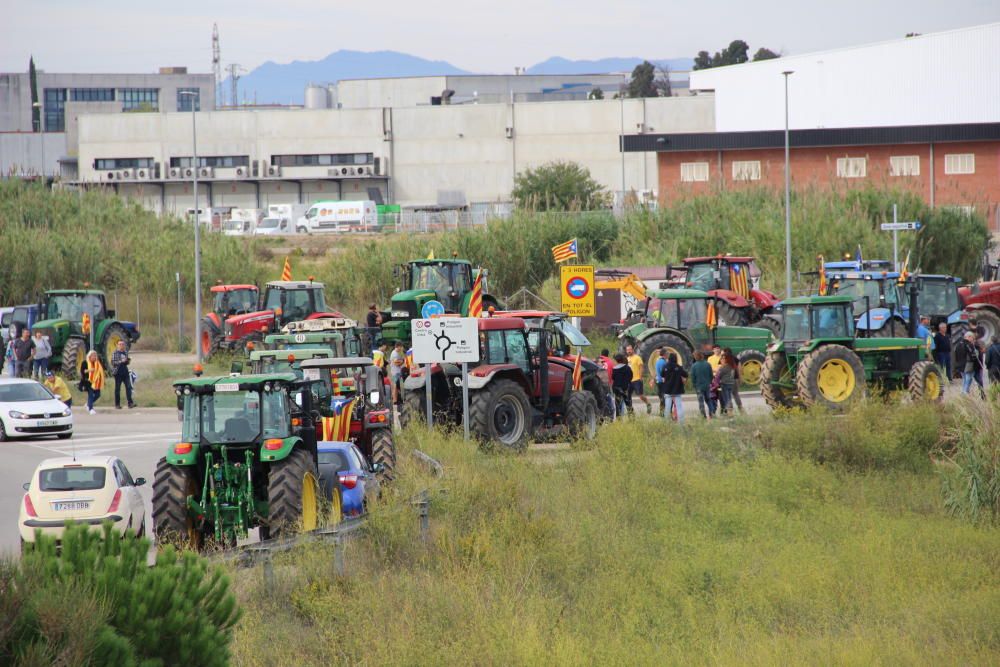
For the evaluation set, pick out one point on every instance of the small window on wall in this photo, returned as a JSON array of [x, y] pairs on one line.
[[746, 170], [694, 171], [904, 165], [960, 163], [852, 167]]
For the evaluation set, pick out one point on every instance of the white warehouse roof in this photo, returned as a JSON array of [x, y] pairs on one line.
[[940, 78]]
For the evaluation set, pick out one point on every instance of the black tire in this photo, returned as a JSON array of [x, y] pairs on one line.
[[751, 363], [925, 382], [500, 412], [172, 522], [648, 350], [3, 432], [893, 329], [770, 323], [581, 415], [775, 369], [729, 315], [384, 452], [413, 410], [73, 354], [109, 341], [957, 333], [989, 323], [843, 364], [293, 494], [210, 338]]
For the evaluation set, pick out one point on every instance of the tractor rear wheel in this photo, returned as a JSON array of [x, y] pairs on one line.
[[210, 337], [987, 323], [293, 494], [751, 366], [770, 323], [729, 315], [775, 369], [649, 351], [925, 383], [73, 354], [500, 412], [832, 376], [114, 334], [413, 410], [957, 331], [384, 452], [172, 522], [893, 329], [581, 415]]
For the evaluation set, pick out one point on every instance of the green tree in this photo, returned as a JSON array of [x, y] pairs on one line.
[[662, 81], [764, 53], [703, 60], [643, 81], [36, 112], [734, 54], [596, 94], [557, 186]]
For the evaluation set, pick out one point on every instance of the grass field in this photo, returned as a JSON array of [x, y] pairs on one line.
[[811, 539]]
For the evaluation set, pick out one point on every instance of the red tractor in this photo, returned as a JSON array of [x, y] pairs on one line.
[[283, 301], [733, 282], [227, 301], [981, 301], [512, 396]]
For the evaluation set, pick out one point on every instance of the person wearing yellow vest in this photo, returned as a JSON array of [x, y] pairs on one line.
[[58, 387], [92, 379], [378, 356]]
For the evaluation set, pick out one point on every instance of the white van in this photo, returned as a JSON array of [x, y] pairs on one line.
[[272, 227], [339, 216]]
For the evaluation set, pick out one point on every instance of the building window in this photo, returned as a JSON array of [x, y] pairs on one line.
[[746, 170], [105, 164], [904, 165], [213, 161], [322, 160], [185, 101], [92, 94], [852, 167], [694, 171], [55, 109], [960, 163], [140, 99]]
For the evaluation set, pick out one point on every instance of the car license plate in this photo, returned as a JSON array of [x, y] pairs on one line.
[[69, 506], [47, 422]]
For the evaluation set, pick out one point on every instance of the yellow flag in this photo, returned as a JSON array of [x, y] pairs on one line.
[[430, 255]]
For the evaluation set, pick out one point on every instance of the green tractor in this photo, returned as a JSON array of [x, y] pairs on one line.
[[247, 460], [355, 340], [61, 318], [285, 361], [330, 340], [819, 361], [675, 319], [448, 281]]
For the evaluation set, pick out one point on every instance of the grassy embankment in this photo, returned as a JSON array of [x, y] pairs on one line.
[[813, 539]]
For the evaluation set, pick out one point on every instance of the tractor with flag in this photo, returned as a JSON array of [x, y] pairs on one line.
[[733, 282], [354, 405], [454, 283], [227, 301]]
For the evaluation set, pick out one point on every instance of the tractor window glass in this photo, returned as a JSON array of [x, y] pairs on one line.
[[84, 478], [796, 323], [864, 292], [572, 334], [297, 306], [275, 415], [431, 277], [319, 301], [830, 322], [517, 350], [690, 312], [701, 276], [496, 352], [273, 299], [230, 416], [462, 278], [938, 297]]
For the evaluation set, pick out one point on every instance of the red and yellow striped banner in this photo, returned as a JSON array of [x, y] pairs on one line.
[[476, 300], [338, 427], [286, 272], [739, 280]]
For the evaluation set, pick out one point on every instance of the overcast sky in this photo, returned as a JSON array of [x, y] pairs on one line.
[[130, 36]]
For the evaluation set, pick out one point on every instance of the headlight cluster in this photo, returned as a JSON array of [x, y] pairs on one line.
[[67, 412], [14, 414]]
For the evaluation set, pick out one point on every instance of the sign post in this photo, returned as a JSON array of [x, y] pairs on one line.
[[895, 227], [451, 340]]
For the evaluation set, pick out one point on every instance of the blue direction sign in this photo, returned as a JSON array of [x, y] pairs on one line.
[[431, 309]]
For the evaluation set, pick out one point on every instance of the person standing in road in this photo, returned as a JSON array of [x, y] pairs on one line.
[[993, 361], [9, 358], [397, 361], [658, 367], [92, 379], [972, 368], [737, 379], [24, 350], [606, 361], [58, 387], [120, 370], [621, 385], [715, 360], [701, 378], [43, 352], [673, 388], [378, 356], [727, 379], [924, 334], [942, 350], [635, 363]]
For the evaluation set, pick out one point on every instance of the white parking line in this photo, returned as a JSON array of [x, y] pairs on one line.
[[110, 438]]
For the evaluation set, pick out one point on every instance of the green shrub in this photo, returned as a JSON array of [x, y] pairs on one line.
[[970, 469]]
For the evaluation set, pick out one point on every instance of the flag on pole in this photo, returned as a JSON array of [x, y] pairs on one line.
[[578, 371], [739, 280], [338, 427], [286, 272], [564, 251], [476, 300], [858, 258], [904, 272], [430, 255], [711, 320], [822, 276]]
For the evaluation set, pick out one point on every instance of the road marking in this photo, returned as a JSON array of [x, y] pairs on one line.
[[109, 438]]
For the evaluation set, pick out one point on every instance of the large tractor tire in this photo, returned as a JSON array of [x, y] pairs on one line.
[[500, 412], [73, 354], [770, 323], [384, 452], [987, 324], [893, 329], [751, 366], [581, 415], [413, 410], [729, 315], [293, 494], [775, 369], [113, 334], [925, 382], [649, 351], [831, 376], [210, 338], [958, 331], [172, 522]]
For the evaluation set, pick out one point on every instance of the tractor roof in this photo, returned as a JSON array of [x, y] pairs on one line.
[[230, 288], [817, 300], [729, 258], [938, 276], [864, 275], [294, 284], [677, 294], [72, 292], [303, 337], [296, 355], [247, 381], [341, 362], [431, 262], [500, 323]]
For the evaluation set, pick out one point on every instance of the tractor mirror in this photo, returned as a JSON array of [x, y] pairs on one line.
[[26, 486], [111, 314], [140, 481], [236, 368]]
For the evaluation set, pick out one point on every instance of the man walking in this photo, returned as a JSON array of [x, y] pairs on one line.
[[24, 349], [43, 352], [659, 367], [673, 388], [701, 378], [942, 350], [972, 367], [119, 369], [635, 363], [621, 385]]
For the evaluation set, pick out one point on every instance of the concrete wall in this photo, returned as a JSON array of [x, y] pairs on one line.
[[31, 154], [402, 92], [15, 103]]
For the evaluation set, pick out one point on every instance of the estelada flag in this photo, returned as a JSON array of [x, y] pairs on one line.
[[577, 372], [286, 273], [564, 251], [822, 276], [739, 280], [338, 427], [711, 321], [476, 300]]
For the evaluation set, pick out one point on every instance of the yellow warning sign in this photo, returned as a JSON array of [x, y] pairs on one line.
[[577, 290]]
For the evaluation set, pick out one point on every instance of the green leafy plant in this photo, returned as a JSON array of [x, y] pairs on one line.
[[558, 186]]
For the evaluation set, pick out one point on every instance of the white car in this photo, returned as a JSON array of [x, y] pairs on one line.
[[27, 409], [88, 490]]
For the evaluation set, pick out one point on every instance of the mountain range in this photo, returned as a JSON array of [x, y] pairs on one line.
[[284, 83]]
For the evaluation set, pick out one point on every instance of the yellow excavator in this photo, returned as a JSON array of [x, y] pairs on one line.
[[628, 283]]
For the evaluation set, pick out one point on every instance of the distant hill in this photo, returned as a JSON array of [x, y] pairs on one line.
[[557, 65]]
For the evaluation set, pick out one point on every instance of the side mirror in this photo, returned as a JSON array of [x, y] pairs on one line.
[[140, 481], [26, 486], [236, 368], [111, 314]]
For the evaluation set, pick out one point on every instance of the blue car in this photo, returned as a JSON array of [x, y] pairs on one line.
[[342, 465]]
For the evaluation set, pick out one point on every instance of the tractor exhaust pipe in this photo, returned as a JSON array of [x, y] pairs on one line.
[[914, 315], [543, 369]]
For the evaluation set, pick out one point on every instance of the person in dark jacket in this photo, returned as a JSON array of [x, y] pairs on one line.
[[701, 378], [993, 360], [942, 349], [673, 388], [621, 380], [972, 363]]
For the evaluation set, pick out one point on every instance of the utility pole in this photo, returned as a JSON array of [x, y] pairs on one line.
[[217, 64], [788, 201]]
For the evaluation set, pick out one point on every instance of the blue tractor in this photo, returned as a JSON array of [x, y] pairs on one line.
[[877, 298]]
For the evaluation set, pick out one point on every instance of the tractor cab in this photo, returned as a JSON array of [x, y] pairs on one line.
[[878, 301], [450, 280], [680, 309], [717, 273], [937, 298], [293, 300], [822, 317], [561, 336], [229, 300], [355, 341], [72, 304], [285, 361], [330, 340]]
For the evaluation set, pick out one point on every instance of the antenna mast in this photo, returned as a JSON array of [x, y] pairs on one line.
[[234, 78], [217, 64]]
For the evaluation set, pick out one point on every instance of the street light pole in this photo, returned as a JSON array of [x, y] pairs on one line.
[[197, 227], [788, 201]]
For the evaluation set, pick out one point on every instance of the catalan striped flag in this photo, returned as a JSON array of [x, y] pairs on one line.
[[286, 272], [476, 300], [823, 287], [409, 359], [739, 280], [577, 371], [338, 427], [711, 319], [904, 272], [564, 251]]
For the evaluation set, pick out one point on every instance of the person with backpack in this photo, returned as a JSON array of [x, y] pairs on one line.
[[673, 376], [971, 359]]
